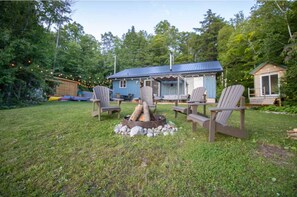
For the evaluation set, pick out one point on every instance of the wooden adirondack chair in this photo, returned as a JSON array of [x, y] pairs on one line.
[[101, 102], [146, 94], [198, 96], [220, 114]]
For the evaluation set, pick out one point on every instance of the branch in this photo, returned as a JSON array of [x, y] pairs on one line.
[[286, 18]]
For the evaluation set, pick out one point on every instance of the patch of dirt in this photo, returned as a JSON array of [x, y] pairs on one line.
[[274, 153]]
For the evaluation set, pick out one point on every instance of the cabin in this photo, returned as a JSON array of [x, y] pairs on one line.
[[169, 82], [66, 87], [267, 77]]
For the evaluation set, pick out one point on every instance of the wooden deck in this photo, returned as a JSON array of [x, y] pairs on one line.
[[263, 100]]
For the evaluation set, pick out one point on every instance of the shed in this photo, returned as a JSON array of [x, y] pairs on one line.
[[267, 77], [66, 87], [167, 81]]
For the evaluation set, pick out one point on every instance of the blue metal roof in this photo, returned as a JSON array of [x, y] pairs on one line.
[[192, 68]]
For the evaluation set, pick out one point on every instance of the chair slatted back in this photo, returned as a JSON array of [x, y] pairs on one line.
[[229, 99], [102, 93], [197, 94], [146, 94]]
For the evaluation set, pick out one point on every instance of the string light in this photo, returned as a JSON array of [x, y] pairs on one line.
[[47, 72]]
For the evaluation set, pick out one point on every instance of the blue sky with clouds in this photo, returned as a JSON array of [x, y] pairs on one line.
[[98, 17]]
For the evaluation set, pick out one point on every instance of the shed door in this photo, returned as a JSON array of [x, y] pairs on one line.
[[269, 84], [198, 82]]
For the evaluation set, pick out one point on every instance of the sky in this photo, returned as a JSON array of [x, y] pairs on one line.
[[98, 16]]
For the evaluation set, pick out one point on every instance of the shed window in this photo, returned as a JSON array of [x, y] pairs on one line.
[[269, 84], [123, 84]]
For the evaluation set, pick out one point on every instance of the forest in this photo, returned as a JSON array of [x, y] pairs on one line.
[[39, 41]]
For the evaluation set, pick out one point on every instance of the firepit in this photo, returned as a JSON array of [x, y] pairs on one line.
[[143, 122], [160, 120]]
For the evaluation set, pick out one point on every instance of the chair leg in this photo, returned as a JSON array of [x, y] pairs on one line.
[[212, 127], [175, 114], [204, 110], [212, 131], [119, 114], [194, 126], [93, 108], [242, 119]]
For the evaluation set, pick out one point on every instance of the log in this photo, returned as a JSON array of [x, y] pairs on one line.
[[291, 131], [293, 134], [152, 115], [136, 113], [141, 118], [146, 112], [293, 138]]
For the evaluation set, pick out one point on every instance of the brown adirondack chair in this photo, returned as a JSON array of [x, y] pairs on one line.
[[146, 94], [198, 96], [101, 102], [219, 115]]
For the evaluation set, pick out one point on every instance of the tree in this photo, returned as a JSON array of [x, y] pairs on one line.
[[207, 44], [133, 49], [271, 34], [236, 53], [185, 52], [26, 51], [289, 84], [52, 12]]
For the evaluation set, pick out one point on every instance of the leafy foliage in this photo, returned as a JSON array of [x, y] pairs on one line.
[[24, 53], [290, 109], [289, 84]]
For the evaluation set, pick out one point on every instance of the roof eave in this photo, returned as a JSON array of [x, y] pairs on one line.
[[167, 73]]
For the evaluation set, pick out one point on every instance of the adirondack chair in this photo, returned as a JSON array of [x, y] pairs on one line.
[[101, 102], [198, 96], [220, 114], [146, 94]]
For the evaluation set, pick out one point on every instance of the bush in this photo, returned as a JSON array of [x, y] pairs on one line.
[[286, 109]]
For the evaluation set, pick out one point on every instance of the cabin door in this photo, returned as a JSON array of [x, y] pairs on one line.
[[155, 85]]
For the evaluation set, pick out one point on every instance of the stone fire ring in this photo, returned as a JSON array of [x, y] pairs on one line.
[[160, 120]]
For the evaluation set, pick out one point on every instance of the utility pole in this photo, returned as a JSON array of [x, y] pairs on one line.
[[115, 64]]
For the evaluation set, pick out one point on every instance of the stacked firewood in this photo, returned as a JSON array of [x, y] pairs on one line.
[[292, 134], [142, 113]]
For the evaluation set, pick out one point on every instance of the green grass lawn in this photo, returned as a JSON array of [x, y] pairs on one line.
[[58, 149]]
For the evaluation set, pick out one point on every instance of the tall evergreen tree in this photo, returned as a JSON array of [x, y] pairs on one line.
[[207, 42]]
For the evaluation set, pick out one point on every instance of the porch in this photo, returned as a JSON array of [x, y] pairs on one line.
[[262, 99]]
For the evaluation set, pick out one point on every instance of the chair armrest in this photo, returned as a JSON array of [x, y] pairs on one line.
[[157, 98], [191, 103], [226, 109], [95, 100], [117, 99]]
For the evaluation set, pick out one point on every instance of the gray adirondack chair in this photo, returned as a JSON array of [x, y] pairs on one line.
[[220, 114], [198, 96], [146, 94], [101, 102]]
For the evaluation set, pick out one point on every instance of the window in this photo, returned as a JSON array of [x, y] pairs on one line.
[[123, 84], [148, 83], [269, 84]]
